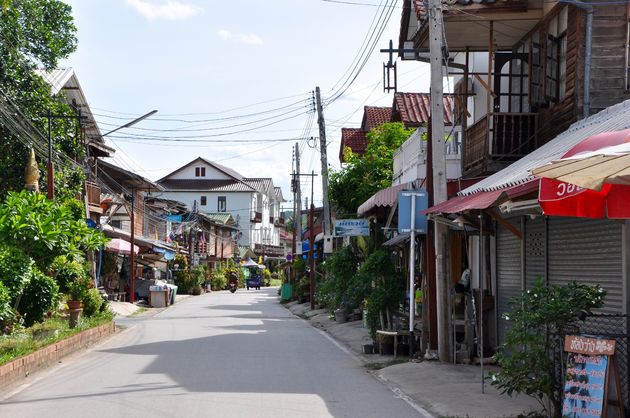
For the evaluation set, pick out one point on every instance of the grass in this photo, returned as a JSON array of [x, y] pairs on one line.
[[382, 365], [275, 282], [140, 311], [28, 340]]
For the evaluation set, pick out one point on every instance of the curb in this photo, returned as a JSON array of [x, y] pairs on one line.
[[20, 368]]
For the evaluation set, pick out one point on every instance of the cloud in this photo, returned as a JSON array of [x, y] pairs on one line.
[[171, 10], [245, 38]]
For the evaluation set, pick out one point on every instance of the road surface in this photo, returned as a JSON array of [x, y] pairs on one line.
[[215, 355]]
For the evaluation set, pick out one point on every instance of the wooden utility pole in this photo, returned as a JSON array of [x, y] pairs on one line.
[[438, 163], [327, 227]]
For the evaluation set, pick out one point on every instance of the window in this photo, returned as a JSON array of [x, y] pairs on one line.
[[203, 201], [221, 204], [116, 223], [536, 96], [627, 75], [200, 171], [556, 54]]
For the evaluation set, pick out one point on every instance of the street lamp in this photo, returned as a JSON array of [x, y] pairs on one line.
[[132, 261]]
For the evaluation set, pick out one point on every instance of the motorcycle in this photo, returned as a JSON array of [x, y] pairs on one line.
[[233, 284]]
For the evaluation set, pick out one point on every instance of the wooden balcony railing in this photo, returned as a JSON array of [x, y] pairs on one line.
[[499, 137]]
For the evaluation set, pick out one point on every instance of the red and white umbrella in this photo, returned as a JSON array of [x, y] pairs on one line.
[[591, 180], [120, 246]]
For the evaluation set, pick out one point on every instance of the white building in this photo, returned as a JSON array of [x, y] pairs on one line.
[[254, 203]]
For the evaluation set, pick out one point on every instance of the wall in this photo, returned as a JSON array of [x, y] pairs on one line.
[[189, 173], [20, 368]]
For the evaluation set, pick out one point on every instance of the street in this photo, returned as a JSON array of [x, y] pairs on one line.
[[215, 355]]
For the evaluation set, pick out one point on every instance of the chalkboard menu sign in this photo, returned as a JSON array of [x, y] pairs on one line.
[[586, 376]]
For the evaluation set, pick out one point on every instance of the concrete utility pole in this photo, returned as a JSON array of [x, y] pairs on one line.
[[327, 227], [298, 214], [439, 173]]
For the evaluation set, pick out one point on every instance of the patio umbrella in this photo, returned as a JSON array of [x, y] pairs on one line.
[[120, 246], [591, 180], [250, 263]]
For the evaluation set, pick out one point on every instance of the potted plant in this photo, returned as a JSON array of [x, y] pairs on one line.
[[77, 291]]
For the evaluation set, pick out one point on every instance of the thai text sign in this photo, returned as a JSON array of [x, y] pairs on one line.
[[586, 375], [352, 228]]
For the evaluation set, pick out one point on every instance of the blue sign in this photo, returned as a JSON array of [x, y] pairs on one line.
[[352, 228], [404, 210]]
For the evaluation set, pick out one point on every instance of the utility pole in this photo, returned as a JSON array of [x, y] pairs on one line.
[[322, 148], [132, 261], [439, 173], [311, 246], [298, 214]]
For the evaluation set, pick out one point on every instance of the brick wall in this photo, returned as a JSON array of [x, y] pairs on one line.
[[20, 368]]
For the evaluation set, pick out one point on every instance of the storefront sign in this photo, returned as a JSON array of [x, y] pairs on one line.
[[352, 228], [585, 388]]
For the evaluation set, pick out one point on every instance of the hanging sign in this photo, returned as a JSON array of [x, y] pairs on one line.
[[352, 228], [587, 370]]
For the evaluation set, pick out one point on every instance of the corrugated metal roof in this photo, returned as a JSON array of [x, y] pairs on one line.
[[375, 116], [207, 185], [384, 197], [415, 108], [57, 78], [235, 175], [422, 6], [614, 118], [224, 218], [263, 185], [279, 195]]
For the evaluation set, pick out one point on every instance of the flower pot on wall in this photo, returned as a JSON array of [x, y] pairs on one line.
[[74, 304]]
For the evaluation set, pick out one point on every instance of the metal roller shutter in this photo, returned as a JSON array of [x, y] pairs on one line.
[[587, 251], [508, 250], [535, 250]]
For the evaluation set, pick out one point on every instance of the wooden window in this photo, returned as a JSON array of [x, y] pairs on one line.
[[221, 204], [536, 82], [627, 72], [200, 171], [203, 201]]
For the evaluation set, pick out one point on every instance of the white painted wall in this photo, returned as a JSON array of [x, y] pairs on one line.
[[188, 173]]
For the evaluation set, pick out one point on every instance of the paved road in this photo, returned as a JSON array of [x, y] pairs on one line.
[[215, 355]]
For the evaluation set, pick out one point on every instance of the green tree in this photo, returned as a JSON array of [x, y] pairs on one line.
[[366, 174], [532, 352], [44, 229], [35, 34]]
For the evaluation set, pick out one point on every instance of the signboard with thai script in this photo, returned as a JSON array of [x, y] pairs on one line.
[[586, 376], [352, 228]]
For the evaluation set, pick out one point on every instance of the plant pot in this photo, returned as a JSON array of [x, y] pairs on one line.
[[75, 314], [368, 349], [340, 316], [74, 304]]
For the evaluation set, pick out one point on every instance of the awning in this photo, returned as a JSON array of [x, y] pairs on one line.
[[483, 200], [382, 198], [398, 240]]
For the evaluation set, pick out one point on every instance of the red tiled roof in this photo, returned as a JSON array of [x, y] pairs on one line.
[[353, 138], [413, 109], [375, 116]]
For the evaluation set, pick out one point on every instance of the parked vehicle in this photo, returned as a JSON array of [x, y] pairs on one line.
[[233, 283], [255, 280]]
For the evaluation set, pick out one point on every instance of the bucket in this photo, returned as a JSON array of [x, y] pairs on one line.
[[340, 316]]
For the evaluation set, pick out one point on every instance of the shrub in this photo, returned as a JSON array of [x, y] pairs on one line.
[[7, 313], [533, 347], [218, 280], [40, 296], [15, 269], [92, 302], [335, 291], [67, 271], [197, 276]]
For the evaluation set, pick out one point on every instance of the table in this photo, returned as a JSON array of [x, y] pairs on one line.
[[395, 334]]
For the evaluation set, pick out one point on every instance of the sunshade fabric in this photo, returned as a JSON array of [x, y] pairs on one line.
[[591, 180], [120, 246]]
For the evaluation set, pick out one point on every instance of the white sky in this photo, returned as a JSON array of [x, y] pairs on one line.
[[191, 59]]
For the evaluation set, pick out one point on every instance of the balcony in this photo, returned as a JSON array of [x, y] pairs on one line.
[[256, 217], [93, 192], [278, 222], [497, 140]]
